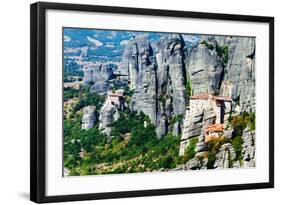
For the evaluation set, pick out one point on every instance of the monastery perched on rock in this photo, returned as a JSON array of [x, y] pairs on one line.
[[205, 116], [221, 105]]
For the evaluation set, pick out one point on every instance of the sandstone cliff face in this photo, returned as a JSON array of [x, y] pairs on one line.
[[205, 69], [142, 75], [158, 79], [170, 60], [171, 78], [96, 73], [136, 58], [97, 76], [239, 77], [225, 157], [231, 77], [89, 117]]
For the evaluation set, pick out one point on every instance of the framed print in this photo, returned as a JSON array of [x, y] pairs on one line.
[[129, 102]]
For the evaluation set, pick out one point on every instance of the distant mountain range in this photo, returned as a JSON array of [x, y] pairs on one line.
[[106, 45]]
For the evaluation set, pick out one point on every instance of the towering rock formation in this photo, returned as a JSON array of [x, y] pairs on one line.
[[136, 58], [158, 79], [173, 54], [97, 72], [107, 113], [171, 76], [162, 77], [239, 77], [224, 66], [142, 75], [110, 110], [205, 68], [89, 117], [97, 75]]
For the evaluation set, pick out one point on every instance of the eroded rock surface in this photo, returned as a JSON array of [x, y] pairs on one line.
[[248, 148], [89, 117], [225, 157]]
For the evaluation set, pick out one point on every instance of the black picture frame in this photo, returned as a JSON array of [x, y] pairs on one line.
[[38, 101]]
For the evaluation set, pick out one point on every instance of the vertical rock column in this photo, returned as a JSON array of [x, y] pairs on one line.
[[205, 68], [142, 76], [248, 148], [89, 117], [239, 78], [171, 78]]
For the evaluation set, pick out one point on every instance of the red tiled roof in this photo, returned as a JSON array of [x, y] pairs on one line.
[[215, 128]]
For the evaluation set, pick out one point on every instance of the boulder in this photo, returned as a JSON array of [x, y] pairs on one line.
[[197, 163]]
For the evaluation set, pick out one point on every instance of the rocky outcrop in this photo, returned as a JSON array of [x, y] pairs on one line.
[[239, 77], [100, 87], [89, 117], [229, 74], [142, 75], [195, 122], [201, 145], [171, 58], [171, 78], [205, 69], [248, 148], [136, 58], [110, 111], [97, 72], [158, 80], [199, 162], [196, 163], [225, 157], [108, 114], [145, 97], [97, 76]]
